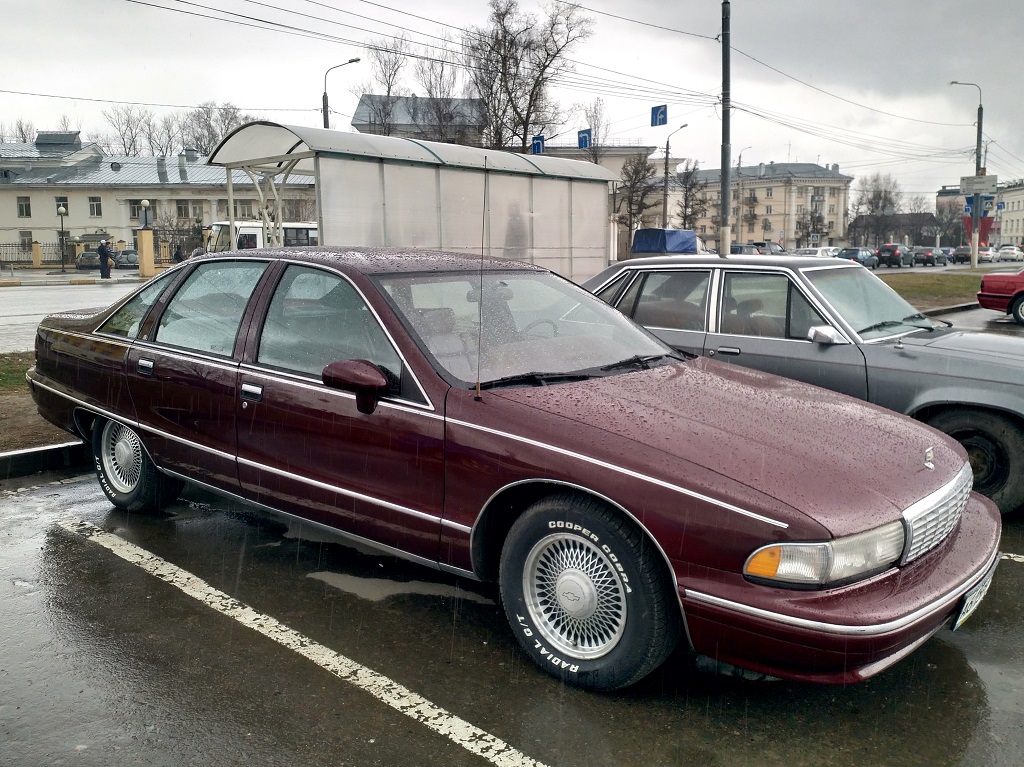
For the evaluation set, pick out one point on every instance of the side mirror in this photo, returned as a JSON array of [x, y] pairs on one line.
[[359, 376], [825, 334]]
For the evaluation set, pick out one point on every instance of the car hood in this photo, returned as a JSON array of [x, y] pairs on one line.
[[845, 464], [946, 345]]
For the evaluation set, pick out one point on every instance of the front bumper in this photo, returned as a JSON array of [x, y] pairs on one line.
[[848, 634]]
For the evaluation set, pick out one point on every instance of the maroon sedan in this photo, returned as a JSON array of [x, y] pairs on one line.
[[493, 420], [1003, 292]]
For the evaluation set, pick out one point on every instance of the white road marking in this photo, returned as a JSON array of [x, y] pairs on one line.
[[1012, 557], [400, 698]]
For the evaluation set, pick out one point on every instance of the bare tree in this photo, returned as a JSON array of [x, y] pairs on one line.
[[204, 127], [438, 75], [597, 120], [637, 193], [693, 200], [513, 62], [878, 198], [949, 216], [163, 134], [128, 122], [387, 60], [108, 143], [65, 124], [24, 131]]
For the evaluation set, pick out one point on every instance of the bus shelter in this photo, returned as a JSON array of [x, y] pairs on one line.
[[389, 191]]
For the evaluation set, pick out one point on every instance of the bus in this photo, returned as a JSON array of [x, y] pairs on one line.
[[251, 234]]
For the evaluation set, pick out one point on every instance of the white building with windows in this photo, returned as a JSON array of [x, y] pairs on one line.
[[102, 195], [794, 204]]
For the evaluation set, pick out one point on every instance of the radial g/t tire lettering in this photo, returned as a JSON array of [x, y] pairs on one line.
[[126, 474], [586, 594]]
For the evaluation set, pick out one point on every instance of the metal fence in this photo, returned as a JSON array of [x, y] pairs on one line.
[[15, 253]]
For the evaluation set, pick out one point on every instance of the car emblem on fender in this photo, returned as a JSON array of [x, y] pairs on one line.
[[929, 457]]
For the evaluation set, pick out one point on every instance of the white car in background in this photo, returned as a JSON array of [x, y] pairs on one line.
[[817, 252], [1009, 253], [986, 253]]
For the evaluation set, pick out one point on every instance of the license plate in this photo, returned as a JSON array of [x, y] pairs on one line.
[[972, 599]]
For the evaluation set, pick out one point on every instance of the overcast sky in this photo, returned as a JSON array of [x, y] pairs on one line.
[[862, 84]]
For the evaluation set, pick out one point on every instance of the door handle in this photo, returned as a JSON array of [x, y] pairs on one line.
[[728, 350], [145, 366], [252, 392]]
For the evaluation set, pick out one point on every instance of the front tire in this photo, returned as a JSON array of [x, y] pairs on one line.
[[127, 475], [585, 594], [995, 447]]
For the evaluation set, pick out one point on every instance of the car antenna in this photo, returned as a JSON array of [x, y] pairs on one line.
[[480, 301]]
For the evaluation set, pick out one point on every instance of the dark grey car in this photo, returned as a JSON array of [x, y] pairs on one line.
[[834, 324]]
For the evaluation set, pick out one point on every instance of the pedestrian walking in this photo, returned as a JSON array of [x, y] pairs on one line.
[[106, 258], [179, 256]]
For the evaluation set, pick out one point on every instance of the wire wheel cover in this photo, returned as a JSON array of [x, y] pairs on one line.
[[574, 596], [122, 457]]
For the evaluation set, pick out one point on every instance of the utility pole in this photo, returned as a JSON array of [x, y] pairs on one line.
[[978, 171], [725, 238]]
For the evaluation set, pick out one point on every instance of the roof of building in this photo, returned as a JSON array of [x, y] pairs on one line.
[[781, 171], [413, 111], [120, 170]]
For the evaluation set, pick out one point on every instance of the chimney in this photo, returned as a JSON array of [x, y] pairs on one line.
[[182, 169], [161, 169], [191, 155]]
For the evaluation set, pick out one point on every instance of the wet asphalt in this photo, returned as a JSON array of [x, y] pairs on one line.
[[104, 663]]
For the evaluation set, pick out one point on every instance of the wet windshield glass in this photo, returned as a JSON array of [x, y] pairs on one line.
[[532, 327], [872, 308]]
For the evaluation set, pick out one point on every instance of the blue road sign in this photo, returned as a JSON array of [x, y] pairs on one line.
[[1000, 206], [537, 146], [584, 137], [659, 115], [967, 210]]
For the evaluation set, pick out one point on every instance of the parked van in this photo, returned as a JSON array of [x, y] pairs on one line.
[[251, 234]]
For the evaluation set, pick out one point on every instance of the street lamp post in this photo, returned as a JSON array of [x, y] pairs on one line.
[[976, 200], [664, 195], [61, 211], [350, 61]]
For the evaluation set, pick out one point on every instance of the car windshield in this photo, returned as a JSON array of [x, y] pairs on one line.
[[533, 327], [869, 306]]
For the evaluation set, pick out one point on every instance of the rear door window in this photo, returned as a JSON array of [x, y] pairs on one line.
[[206, 312]]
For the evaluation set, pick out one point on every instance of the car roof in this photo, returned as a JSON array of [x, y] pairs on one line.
[[784, 260], [380, 260]]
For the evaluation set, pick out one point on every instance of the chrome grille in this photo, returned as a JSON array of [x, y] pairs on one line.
[[932, 518]]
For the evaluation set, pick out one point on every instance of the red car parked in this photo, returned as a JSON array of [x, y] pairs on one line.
[[496, 421], [1003, 292]]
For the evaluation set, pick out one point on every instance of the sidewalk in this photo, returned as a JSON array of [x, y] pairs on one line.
[[15, 277]]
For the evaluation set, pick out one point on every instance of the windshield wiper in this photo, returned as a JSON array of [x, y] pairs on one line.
[[894, 323], [534, 379], [641, 362]]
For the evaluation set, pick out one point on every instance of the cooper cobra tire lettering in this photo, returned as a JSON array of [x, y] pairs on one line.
[[586, 593]]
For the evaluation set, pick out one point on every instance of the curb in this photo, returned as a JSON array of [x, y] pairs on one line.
[[951, 309], [72, 281], [67, 455]]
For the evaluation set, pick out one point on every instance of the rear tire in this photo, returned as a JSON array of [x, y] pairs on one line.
[[127, 475], [585, 594], [1017, 310], [995, 447]]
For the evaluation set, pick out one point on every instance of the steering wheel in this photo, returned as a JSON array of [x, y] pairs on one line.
[[542, 321]]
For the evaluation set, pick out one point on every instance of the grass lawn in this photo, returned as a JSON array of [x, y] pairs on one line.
[[935, 289], [12, 370]]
